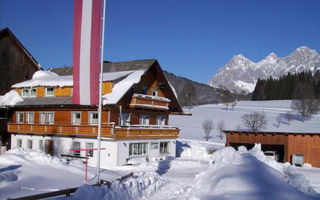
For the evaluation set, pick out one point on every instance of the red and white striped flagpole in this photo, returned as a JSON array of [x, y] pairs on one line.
[[100, 91]]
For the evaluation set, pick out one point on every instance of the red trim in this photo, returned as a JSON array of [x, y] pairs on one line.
[[76, 49], [95, 51]]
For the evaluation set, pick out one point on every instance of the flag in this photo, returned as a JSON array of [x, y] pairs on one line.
[[86, 51]]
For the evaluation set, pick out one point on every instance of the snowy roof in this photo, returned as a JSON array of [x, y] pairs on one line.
[[10, 98], [51, 79]]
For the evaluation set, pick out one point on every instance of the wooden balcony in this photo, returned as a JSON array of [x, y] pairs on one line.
[[107, 131], [61, 129], [150, 102]]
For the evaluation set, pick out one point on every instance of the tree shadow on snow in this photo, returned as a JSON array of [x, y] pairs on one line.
[[11, 167], [180, 146], [164, 165]]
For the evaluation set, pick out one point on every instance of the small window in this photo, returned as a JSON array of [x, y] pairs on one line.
[[30, 117], [90, 146], [50, 118], [144, 90], [93, 118], [76, 145], [19, 142], [29, 144], [161, 120], [76, 118], [164, 147], [144, 120], [33, 92], [25, 93], [49, 91], [154, 92], [41, 145], [20, 117], [43, 117]]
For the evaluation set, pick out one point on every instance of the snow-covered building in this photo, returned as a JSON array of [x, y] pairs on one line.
[[137, 100]]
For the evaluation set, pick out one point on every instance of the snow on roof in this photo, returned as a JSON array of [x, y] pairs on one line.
[[46, 78], [51, 79], [10, 98], [120, 88]]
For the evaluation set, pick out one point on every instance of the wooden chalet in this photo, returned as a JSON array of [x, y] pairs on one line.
[[285, 144], [137, 101], [16, 65]]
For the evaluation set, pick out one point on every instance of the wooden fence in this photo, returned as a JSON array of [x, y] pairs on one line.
[[67, 192]]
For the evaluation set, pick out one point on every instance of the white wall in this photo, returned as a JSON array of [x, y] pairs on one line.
[[115, 153]]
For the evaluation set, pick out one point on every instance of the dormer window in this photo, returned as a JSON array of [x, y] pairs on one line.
[[33, 92], [25, 92], [154, 92], [49, 91]]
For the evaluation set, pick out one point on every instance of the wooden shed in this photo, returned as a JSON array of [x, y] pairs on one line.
[[286, 144]]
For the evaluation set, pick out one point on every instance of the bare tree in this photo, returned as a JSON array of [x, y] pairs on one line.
[[220, 128], [289, 117], [207, 126], [255, 121], [278, 120], [233, 105], [305, 103]]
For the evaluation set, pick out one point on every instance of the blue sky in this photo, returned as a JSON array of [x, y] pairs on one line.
[[191, 38]]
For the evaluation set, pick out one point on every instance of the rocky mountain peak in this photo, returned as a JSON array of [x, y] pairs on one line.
[[240, 74]]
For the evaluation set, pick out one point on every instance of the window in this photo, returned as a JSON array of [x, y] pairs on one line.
[[30, 117], [76, 117], [46, 117], [90, 146], [20, 117], [50, 117], [41, 145], [29, 144], [136, 149], [93, 118], [161, 120], [154, 92], [164, 147], [144, 119], [144, 90], [33, 92], [25, 92], [154, 146], [19, 143], [76, 145], [125, 120], [50, 91]]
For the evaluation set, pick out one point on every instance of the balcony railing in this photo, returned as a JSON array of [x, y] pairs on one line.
[[151, 102], [107, 131]]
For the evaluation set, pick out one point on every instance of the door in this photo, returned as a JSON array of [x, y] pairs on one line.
[[49, 147]]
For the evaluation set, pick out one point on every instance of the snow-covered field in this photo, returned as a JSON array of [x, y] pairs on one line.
[[202, 170], [191, 126]]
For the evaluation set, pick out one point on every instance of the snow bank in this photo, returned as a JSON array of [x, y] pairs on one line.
[[141, 185], [196, 150], [257, 176], [10, 98]]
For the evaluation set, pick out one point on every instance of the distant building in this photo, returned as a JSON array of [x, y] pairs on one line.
[[137, 103], [287, 145]]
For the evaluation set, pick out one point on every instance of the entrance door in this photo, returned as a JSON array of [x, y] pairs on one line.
[[49, 147]]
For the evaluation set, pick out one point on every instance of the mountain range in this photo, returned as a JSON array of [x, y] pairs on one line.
[[240, 74]]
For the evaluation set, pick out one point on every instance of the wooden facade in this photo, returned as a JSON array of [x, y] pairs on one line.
[[149, 97], [307, 144], [16, 63]]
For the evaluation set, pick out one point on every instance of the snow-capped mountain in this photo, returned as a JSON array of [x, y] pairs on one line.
[[241, 74]]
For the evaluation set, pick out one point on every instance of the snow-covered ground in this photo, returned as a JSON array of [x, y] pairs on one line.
[[202, 170], [191, 126]]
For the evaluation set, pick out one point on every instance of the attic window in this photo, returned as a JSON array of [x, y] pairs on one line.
[[49, 91], [25, 92], [33, 92]]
